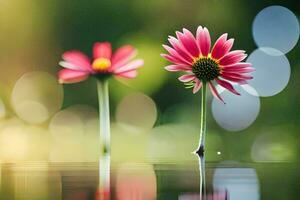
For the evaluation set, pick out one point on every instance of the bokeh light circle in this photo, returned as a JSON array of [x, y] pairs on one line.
[[75, 132], [66, 125], [272, 72], [238, 112], [36, 96], [275, 145], [32, 111], [14, 142], [137, 110], [276, 27]]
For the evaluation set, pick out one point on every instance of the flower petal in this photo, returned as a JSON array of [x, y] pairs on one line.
[[180, 49], [133, 65], [187, 78], [68, 65], [123, 55], [171, 59], [239, 68], [176, 55], [128, 74], [78, 59], [235, 79], [227, 86], [197, 86], [72, 76], [175, 68], [204, 41], [241, 64], [188, 40], [102, 50], [233, 57], [236, 75], [222, 47], [215, 92]]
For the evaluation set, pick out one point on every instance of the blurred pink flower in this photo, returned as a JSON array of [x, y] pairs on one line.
[[79, 67], [203, 64]]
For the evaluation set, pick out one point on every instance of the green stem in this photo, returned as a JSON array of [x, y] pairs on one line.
[[202, 119], [103, 98], [104, 123]]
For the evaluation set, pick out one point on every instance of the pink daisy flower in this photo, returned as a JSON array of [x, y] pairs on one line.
[[79, 67], [204, 64]]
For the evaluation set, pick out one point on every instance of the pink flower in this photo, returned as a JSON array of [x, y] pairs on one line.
[[79, 67], [203, 64]]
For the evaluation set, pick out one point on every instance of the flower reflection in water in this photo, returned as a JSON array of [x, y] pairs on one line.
[[103, 192], [136, 182]]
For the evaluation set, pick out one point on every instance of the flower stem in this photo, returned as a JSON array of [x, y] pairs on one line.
[[103, 98], [200, 149], [104, 123]]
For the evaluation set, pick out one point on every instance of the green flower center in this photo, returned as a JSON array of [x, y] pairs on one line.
[[206, 69]]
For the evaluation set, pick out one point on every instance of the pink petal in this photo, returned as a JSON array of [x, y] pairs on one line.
[[180, 49], [198, 33], [171, 59], [233, 57], [123, 55], [215, 92], [187, 78], [204, 41], [239, 69], [102, 50], [133, 65], [78, 59], [175, 68], [234, 79], [72, 76], [188, 40], [222, 47], [197, 86], [227, 86], [236, 75], [129, 74], [176, 55], [241, 64], [68, 65]]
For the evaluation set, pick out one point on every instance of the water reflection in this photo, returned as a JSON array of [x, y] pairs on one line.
[[136, 181], [229, 181], [104, 177], [202, 171], [239, 182], [220, 194]]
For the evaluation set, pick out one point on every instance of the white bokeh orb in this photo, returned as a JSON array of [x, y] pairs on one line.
[[272, 72], [276, 27], [238, 112]]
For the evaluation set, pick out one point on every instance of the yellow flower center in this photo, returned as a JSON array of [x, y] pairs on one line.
[[101, 64], [206, 68]]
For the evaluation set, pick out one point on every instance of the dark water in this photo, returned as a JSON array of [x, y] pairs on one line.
[[144, 181]]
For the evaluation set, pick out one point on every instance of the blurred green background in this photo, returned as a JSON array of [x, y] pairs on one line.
[[154, 118]]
